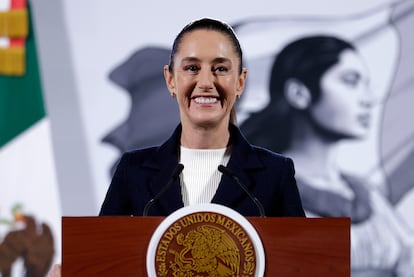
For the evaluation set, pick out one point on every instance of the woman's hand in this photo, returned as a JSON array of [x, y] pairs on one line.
[[56, 271]]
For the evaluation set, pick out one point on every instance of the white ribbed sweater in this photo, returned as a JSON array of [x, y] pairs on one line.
[[200, 177]]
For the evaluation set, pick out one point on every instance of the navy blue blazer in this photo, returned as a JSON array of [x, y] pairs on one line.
[[142, 173]]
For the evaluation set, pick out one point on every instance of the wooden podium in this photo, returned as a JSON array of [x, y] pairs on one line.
[[117, 246]]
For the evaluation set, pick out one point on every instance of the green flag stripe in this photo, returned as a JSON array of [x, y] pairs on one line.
[[21, 101]]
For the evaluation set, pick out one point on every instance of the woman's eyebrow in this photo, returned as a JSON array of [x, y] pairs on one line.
[[190, 59], [215, 60], [221, 60]]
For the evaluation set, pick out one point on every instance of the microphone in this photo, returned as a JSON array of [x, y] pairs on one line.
[[226, 171], [177, 171]]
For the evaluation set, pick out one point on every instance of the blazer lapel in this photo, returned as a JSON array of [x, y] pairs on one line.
[[171, 199], [242, 160], [165, 162], [229, 191]]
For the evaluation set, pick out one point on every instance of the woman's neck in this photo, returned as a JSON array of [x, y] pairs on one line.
[[205, 137], [314, 156]]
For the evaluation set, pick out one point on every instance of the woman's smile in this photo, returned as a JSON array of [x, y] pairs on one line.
[[205, 100]]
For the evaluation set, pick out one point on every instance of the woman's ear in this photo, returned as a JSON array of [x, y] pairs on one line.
[[169, 80], [242, 83], [297, 94]]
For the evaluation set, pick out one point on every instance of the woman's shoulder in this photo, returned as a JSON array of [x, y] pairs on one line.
[[266, 153], [139, 155], [272, 160], [142, 151]]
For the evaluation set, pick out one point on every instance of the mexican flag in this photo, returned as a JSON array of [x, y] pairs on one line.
[[29, 204]]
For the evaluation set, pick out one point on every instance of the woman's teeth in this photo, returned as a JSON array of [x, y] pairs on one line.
[[205, 100]]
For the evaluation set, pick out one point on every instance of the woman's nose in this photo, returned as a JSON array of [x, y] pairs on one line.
[[206, 80], [367, 97]]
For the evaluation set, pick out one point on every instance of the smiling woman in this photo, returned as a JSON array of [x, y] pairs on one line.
[[206, 76], [206, 81], [206, 68]]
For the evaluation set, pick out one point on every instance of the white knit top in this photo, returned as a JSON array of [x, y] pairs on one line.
[[200, 177]]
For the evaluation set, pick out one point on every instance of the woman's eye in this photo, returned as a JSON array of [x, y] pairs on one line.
[[220, 69], [351, 79], [191, 68]]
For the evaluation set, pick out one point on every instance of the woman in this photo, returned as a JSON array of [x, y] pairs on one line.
[[319, 97], [206, 76]]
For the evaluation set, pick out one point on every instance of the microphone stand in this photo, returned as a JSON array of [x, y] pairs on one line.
[[226, 171]]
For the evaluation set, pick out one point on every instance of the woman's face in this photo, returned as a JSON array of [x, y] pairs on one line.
[[205, 78], [344, 107]]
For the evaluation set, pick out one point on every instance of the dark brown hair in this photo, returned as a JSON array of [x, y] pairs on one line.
[[208, 24]]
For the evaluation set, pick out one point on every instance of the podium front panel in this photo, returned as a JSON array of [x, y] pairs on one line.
[[117, 246]]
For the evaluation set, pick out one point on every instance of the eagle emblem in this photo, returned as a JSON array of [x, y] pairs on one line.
[[197, 241], [207, 251]]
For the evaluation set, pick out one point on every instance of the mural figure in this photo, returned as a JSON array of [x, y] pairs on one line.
[[319, 97]]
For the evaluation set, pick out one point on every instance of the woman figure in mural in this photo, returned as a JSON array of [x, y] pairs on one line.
[[319, 97]]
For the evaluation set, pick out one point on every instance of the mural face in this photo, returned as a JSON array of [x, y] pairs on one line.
[[345, 100]]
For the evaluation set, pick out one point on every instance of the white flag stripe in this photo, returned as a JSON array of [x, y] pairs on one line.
[[4, 6], [28, 177]]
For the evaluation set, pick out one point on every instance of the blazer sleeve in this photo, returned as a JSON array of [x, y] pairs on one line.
[[116, 201], [292, 203]]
